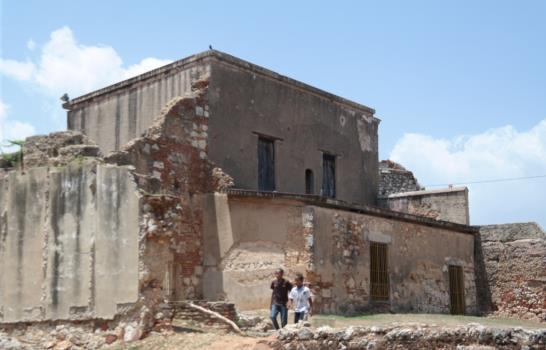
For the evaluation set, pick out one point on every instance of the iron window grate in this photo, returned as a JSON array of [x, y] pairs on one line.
[[379, 271]]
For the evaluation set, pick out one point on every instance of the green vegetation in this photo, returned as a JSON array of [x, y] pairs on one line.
[[13, 159]]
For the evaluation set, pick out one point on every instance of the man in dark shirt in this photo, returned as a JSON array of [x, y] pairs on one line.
[[279, 298]]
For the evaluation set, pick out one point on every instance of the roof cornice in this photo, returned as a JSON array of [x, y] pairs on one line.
[[215, 55]]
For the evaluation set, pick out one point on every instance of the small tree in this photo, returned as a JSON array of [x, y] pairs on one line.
[[14, 158]]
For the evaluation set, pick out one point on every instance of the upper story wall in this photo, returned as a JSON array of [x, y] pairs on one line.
[[246, 101], [119, 113]]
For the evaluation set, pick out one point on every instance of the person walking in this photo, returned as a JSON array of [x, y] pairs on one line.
[[300, 298], [279, 298]]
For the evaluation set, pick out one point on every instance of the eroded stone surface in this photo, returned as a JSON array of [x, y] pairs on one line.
[[515, 262], [57, 149], [411, 336]]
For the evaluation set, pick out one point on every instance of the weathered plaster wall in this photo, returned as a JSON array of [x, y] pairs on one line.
[[246, 103], [68, 242], [244, 100], [246, 238], [418, 257], [113, 119], [245, 241], [514, 256], [449, 204]]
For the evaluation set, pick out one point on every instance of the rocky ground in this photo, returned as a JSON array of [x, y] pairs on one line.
[[323, 332]]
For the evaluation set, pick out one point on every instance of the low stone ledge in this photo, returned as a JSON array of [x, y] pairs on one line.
[[411, 336]]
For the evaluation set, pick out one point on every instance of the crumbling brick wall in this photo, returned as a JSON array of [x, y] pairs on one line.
[[172, 169]]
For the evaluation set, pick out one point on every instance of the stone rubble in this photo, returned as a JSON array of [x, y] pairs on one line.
[[411, 336], [394, 178], [57, 149]]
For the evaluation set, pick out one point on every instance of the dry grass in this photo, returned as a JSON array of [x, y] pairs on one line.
[[428, 319]]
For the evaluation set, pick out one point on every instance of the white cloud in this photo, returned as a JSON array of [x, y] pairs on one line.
[[498, 153], [12, 129], [16, 70], [31, 44], [145, 65], [65, 65]]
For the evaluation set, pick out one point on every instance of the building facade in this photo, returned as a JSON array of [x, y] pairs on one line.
[[199, 179]]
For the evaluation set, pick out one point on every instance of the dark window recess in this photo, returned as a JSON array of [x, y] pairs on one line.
[[266, 164], [456, 290], [328, 175], [379, 271], [309, 181]]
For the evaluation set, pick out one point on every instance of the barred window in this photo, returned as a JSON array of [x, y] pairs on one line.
[[456, 290], [379, 271]]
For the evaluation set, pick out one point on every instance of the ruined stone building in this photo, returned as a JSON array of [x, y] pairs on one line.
[[196, 180]]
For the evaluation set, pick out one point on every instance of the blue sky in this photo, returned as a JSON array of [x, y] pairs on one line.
[[460, 86]]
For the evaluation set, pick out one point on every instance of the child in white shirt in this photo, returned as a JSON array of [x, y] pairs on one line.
[[301, 298]]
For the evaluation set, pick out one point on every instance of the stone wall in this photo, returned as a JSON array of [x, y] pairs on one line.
[[87, 237], [172, 169], [394, 178], [68, 242], [245, 102], [248, 236], [514, 257], [449, 204], [184, 313], [113, 120], [248, 102], [58, 149], [418, 260], [245, 241]]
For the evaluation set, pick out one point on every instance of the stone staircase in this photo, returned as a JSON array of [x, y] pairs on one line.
[[184, 314]]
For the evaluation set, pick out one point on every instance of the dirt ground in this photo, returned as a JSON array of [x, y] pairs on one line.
[[191, 337]]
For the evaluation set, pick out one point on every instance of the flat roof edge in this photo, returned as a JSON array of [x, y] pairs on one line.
[[361, 209], [427, 192], [223, 57]]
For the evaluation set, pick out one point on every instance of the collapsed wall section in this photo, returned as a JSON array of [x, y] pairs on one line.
[[68, 245], [84, 237], [394, 178], [172, 170]]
